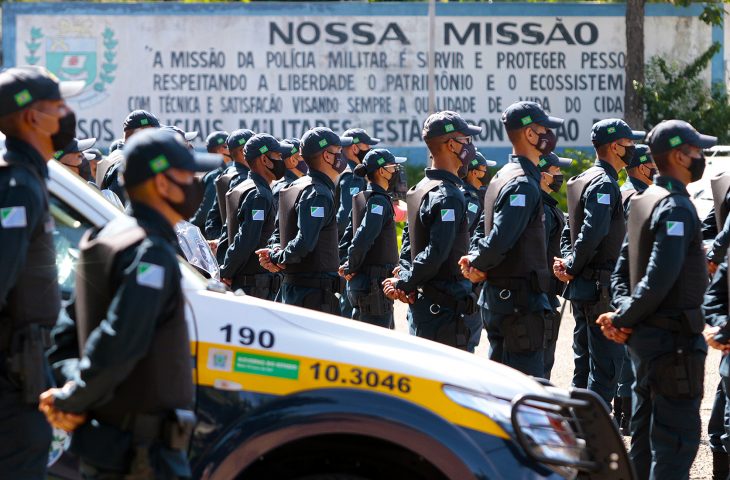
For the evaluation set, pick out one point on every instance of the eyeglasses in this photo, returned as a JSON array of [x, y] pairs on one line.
[[466, 140]]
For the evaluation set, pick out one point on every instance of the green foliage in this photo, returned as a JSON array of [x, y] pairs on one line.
[[675, 90]]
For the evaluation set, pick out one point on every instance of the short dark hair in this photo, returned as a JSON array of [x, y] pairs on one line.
[[661, 160]]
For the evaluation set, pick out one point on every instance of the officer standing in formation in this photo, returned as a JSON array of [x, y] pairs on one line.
[[304, 245], [658, 289], [295, 167], [251, 217], [438, 235], [126, 396], [214, 143], [551, 179], [369, 247], [596, 229], [36, 122]]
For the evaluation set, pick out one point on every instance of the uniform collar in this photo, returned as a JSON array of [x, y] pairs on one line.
[[607, 168], [671, 184], [322, 178], [437, 174], [547, 198], [352, 165], [241, 167], [23, 149], [528, 167], [639, 186], [375, 188], [468, 186], [259, 180], [290, 176], [152, 221]]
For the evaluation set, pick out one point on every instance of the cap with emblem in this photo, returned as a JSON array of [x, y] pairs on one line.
[[671, 134], [263, 143], [359, 135], [552, 160], [612, 129], [319, 138], [22, 86], [155, 151], [238, 138], [443, 123], [522, 114], [641, 156], [76, 146], [140, 119], [380, 157], [295, 146], [215, 139], [480, 161], [188, 136]]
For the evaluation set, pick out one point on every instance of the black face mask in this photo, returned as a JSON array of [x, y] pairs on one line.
[[192, 196], [546, 142], [85, 170], [556, 183], [361, 155], [628, 154], [66, 131], [466, 155], [393, 180], [697, 167], [278, 169], [302, 167], [652, 173], [485, 179], [339, 163]]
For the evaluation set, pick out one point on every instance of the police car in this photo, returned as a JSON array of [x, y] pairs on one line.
[[284, 392]]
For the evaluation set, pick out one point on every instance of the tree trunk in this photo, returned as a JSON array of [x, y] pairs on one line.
[[633, 106]]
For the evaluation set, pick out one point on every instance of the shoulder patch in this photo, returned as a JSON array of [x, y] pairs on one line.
[[675, 229], [473, 207], [447, 215], [604, 198], [376, 209], [257, 215], [517, 200], [13, 217], [317, 212], [150, 275], [354, 191]]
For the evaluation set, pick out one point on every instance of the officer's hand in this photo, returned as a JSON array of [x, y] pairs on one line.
[[213, 244], [63, 420], [389, 288], [712, 267], [709, 334], [227, 281], [560, 271], [264, 254], [470, 273], [396, 271], [409, 298]]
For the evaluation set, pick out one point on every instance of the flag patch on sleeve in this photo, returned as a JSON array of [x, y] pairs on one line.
[[517, 200], [376, 209], [447, 215], [150, 275], [473, 207], [257, 215], [675, 229], [317, 212], [604, 198], [13, 217], [354, 191]]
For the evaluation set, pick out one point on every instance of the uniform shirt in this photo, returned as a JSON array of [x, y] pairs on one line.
[[208, 198], [715, 309], [721, 242], [509, 223], [665, 263], [348, 185], [124, 336], [631, 184], [213, 222], [442, 234], [319, 194], [22, 200], [377, 210], [474, 206], [552, 230], [596, 226], [255, 208]]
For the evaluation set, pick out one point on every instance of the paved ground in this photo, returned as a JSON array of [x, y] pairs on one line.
[[563, 373]]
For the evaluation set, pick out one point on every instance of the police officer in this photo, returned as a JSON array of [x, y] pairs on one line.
[[658, 287], [717, 224], [126, 397], [214, 143], [94, 157], [251, 217], [370, 239], [551, 179], [37, 122], [349, 185], [295, 167], [234, 174], [474, 185], [438, 234], [511, 254], [305, 240], [596, 227], [73, 157]]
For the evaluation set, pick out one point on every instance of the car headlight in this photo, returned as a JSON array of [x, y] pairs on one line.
[[541, 429]]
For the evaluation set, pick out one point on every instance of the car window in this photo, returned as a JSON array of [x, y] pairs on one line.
[[70, 227]]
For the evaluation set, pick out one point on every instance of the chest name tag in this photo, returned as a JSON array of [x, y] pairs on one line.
[[150, 275], [517, 200], [447, 215], [377, 209], [604, 198], [317, 212], [257, 215], [675, 229], [13, 217], [473, 207]]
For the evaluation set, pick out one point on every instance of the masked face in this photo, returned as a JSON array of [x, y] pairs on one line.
[[278, 168], [546, 141], [361, 155], [338, 163], [393, 180], [697, 165], [628, 153], [650, 172], [192, 196], [66, 130], [467, 153], [302, 167], [556, 183]]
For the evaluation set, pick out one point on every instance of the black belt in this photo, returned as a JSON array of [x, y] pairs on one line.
[[260, 280], [147, 427], [335, 285], [601, 275], [440, 300], [687, 324]]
